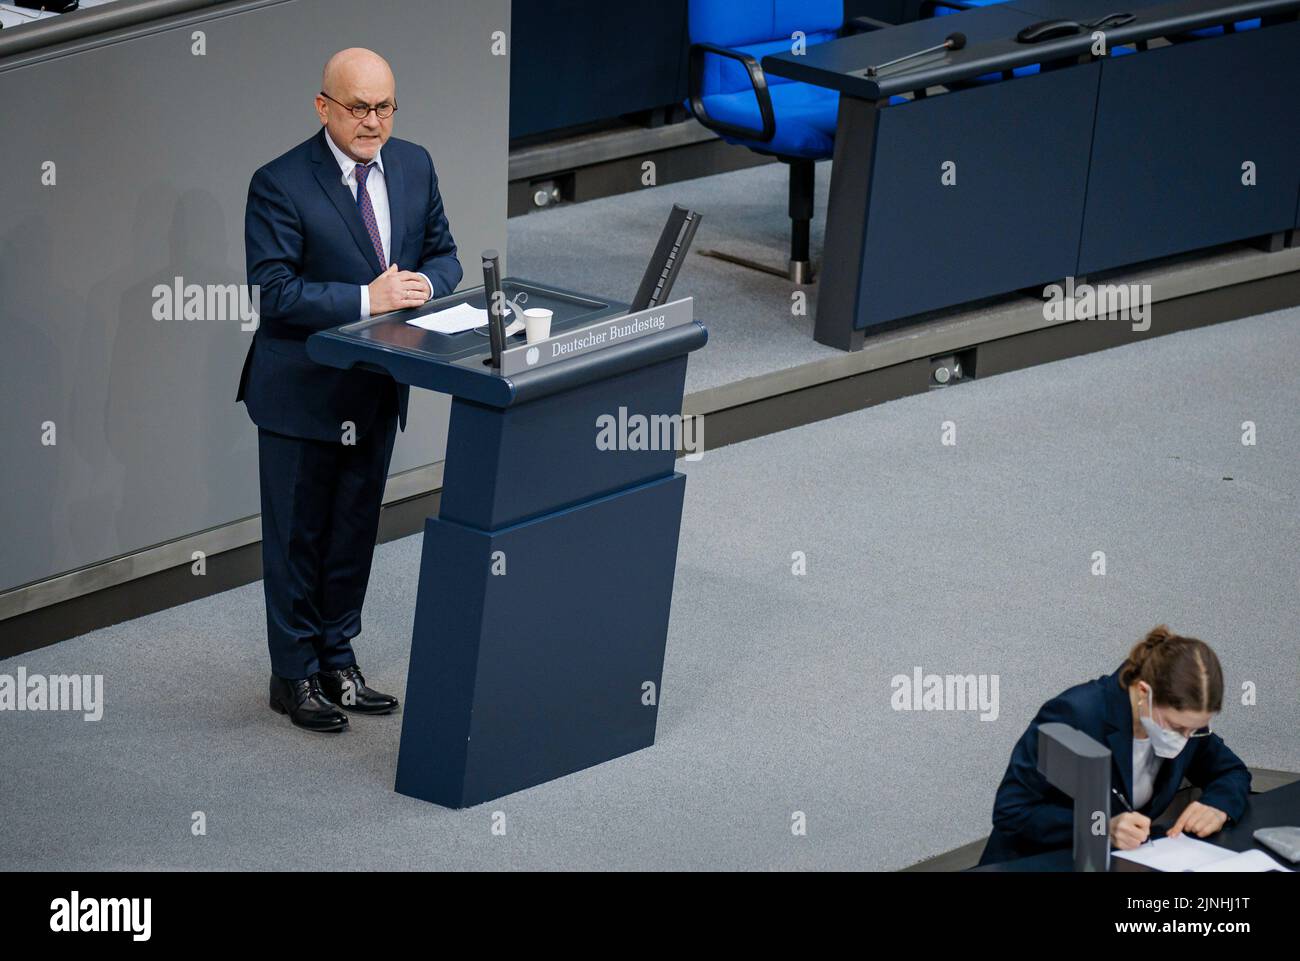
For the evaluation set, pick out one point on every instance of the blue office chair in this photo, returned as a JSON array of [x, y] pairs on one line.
[[792, 121]]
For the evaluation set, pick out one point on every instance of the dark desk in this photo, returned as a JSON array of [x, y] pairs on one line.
[[1086, 11], [1082, 10], [991, 41], [1010, 166], [842, 64], [1276, 808]]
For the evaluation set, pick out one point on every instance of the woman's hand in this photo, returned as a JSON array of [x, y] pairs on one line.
[[1130, 829], [1199, 819]]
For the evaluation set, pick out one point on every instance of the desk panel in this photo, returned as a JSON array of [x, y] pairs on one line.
[[1174, 126], [1012, 219]]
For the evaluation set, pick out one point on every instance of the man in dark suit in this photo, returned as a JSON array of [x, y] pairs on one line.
[[345, 226]]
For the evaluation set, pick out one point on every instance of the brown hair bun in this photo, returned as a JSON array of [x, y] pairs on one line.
[[1183, 672]]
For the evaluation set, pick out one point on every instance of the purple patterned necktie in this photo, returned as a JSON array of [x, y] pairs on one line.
[[368, 212]]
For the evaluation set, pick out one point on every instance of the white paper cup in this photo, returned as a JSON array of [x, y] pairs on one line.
[[537, 324]]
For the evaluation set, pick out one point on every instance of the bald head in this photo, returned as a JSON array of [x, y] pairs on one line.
[[355, 65], [351, 78]]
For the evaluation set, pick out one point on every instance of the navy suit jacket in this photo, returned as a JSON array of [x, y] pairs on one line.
[[309, 253], [1030, 816]]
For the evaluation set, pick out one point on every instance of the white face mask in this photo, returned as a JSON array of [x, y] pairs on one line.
[[1166, 744]]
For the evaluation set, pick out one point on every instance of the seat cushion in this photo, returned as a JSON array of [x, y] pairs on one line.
[[805, 118]]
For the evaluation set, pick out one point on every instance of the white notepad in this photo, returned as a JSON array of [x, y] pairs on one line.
[[1184, 853]]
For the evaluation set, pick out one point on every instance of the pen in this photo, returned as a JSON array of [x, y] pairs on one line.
[[1128, 807]]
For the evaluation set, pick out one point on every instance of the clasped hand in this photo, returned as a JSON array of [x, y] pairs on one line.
[[397, 290]]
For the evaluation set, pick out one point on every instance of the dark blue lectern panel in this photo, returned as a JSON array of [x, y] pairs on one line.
[[536, 457], [538, 672], [547, 578], [1012, 219], [1174, 126]]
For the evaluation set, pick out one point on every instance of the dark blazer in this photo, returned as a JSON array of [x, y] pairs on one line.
[[1030, 816], [308, 252]]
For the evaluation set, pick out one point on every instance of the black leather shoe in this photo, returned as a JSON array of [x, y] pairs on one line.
[[306, 704], [347, 688]]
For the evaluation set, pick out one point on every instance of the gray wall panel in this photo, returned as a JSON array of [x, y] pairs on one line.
[[154, 149]]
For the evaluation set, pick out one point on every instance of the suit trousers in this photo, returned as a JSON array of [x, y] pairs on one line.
[[320, 517]]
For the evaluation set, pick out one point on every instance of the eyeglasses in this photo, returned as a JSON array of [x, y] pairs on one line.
[[1181, 732], [362, 110], [1199, 732]]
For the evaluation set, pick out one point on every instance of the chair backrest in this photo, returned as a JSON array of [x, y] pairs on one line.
[[758, 28]]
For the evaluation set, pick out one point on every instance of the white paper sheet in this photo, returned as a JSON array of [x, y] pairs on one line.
[[1244, 861], [463, 317], [1185, 853], [453, 320]]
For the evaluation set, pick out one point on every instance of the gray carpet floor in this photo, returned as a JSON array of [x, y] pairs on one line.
[[776, 696]]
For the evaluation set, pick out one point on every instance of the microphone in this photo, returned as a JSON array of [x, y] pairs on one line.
[[954, 41], [669, 254], [495, 305]]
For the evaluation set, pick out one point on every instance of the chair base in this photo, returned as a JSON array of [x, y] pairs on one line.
[[799, 267], [801, 272], [797, 271]]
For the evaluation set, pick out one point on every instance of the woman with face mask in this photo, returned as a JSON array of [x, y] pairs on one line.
[[1154, 714]]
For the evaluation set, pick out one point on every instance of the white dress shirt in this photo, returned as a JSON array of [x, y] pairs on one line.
[[1146, 765], [377, 188]]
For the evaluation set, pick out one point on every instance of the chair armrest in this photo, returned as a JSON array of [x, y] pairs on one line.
[[756, 79], [864, 24]]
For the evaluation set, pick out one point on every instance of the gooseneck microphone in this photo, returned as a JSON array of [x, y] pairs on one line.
[[496, 303], [954, 41]]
